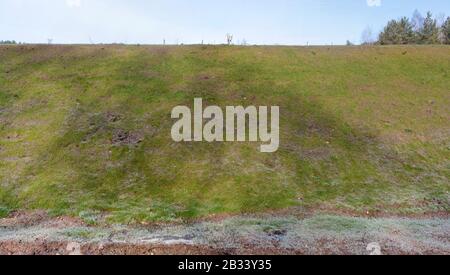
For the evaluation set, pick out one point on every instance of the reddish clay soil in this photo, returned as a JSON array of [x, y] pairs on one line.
[[60, 248]]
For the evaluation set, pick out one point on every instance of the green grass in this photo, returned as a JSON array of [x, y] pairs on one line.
[[362, 129]]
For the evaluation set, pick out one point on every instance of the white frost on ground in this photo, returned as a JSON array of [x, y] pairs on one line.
[[317, 234]]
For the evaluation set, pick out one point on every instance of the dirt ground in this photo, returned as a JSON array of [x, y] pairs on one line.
[[36, 233]]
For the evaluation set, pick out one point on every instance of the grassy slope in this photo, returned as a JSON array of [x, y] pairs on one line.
[[362, 129]]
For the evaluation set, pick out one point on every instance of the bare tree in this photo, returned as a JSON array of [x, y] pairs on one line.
[[367, 36], [229, 39], [417, 21], [445, 30], [50, 41], [440, 19]]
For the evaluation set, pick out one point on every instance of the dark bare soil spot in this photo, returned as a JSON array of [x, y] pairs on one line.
[[121, 137], [112, 117], [31, 218]]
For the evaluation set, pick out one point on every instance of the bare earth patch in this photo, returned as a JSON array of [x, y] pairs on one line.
[[37, 233]]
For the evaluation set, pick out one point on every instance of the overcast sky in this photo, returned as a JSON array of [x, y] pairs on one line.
[[291, 22]]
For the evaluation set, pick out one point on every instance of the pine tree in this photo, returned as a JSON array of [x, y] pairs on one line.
[[388, 35], [397, 32], [406, 31], [430, 31]]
